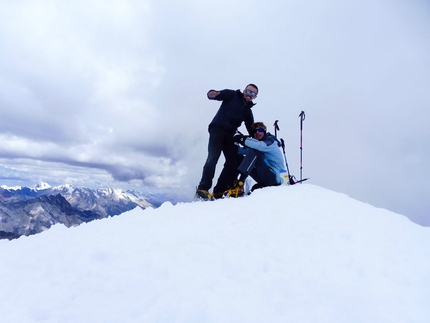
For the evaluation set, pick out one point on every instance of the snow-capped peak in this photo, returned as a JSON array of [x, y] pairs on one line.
[[14, 188], [41, 186]]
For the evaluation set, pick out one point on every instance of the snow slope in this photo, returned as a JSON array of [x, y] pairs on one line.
[[286, 254]]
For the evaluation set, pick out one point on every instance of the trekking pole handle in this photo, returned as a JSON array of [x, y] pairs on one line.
[[276, 125], [283, 144], [302, 115]]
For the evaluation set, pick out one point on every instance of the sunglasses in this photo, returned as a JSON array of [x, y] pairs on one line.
[[252, 93], [259, 130]]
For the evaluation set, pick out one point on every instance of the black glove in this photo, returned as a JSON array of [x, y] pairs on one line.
[[240, 139]]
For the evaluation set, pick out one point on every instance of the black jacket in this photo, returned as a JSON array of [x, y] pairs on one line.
[[233, 111]]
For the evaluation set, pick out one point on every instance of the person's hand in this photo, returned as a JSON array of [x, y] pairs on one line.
[[240, 139], [212, 94]]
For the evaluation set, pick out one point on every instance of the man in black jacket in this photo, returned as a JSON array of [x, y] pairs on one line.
[[235, 109]]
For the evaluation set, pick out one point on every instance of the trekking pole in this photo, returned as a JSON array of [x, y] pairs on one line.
[[290, 178], [302, 117], [285, 156], [275, 125]]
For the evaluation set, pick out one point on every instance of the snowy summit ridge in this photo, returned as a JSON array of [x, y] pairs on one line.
[[284, 254]]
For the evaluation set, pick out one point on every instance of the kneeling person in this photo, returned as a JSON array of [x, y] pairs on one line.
[[262, 161]]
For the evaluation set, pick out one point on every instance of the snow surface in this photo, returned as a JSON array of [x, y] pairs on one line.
[[284, 254]]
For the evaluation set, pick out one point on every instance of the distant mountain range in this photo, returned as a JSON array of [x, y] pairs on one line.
[[31, 210]]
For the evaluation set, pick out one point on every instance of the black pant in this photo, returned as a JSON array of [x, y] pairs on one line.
[[220, 140], [254, 165]]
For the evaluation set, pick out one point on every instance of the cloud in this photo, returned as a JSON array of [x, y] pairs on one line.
[[115, 92]]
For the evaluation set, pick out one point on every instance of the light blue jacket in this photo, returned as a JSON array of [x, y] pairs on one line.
[[269, 145]]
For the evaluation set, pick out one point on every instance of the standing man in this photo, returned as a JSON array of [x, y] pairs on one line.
[[235, 109]]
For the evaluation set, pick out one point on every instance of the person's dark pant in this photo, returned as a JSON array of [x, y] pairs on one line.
[[220, 140], [254, 165]]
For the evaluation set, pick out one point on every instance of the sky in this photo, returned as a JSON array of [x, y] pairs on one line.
[[113, 93], [326, 258]]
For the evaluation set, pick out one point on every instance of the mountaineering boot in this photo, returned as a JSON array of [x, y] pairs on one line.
[[217, 196], [236, 190], [203, 195], [257, 186]]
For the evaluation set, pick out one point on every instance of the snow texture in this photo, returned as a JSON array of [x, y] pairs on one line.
[[284, 254]]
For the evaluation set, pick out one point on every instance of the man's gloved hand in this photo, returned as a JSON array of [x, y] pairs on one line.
[[240, 139]]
